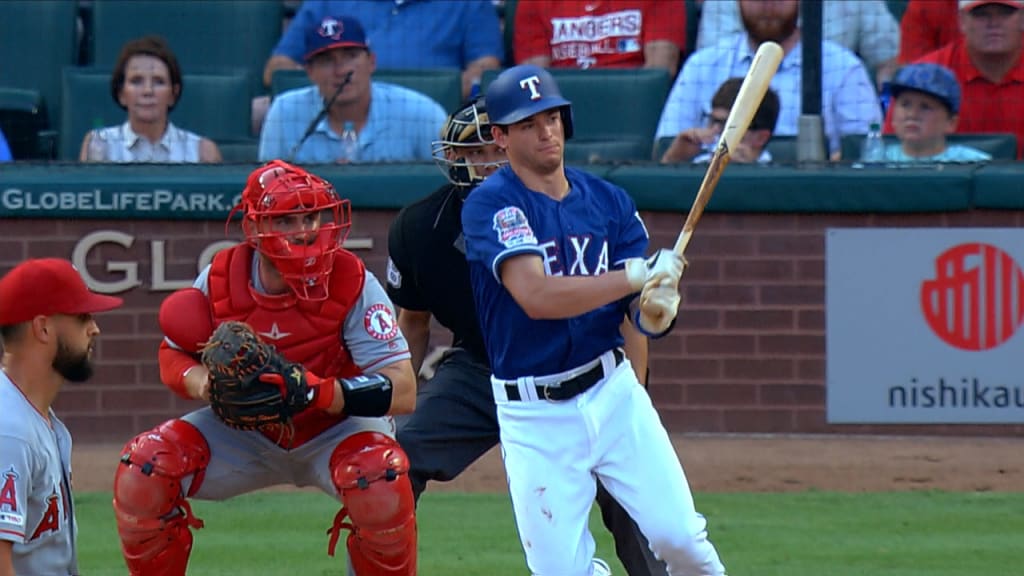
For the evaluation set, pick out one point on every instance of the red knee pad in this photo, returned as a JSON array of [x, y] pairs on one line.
[[371, 474], [153, 517]]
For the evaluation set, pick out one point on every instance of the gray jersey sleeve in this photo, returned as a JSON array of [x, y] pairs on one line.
[[15, 486], [370, 331]]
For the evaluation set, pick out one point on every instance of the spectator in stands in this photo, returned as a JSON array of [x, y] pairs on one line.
[[865, 27], [697, 144], [927, 25], [147, 83], [406, 34], [306, 125], [5, 150], [588, 34], [987, 62], [849, 102], [926, 101]]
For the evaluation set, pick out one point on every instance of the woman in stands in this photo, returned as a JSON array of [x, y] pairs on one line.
[[147, 84]]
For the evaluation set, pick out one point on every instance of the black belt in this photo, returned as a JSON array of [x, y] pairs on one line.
[[567, 388]]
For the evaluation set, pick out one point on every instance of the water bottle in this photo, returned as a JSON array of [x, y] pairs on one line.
[[349, 144], [873, 150]]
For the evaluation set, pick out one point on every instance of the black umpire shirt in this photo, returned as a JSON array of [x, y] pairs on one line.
[[427, 268]]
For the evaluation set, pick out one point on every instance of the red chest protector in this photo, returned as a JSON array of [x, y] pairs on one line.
[[303, 331]]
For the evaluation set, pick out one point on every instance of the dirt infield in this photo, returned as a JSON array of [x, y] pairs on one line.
[[759, 464]]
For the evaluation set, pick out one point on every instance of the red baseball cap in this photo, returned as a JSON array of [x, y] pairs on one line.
[[972, 4], [47, 286]]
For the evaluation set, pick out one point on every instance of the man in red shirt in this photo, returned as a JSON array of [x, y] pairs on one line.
[[927, 25], [600, 34], [987, 62]]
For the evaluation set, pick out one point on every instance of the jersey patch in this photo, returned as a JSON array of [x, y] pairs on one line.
[[380, 323], [394, 276], [512, 228], [12, 518]]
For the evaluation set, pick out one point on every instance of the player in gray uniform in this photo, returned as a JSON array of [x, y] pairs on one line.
[[315, 302], [48, 335]]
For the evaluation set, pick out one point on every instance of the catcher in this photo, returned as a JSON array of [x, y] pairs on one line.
[[295, 346]]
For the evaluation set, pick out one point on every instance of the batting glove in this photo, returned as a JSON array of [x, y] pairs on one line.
[[664, 267], [659, 304]]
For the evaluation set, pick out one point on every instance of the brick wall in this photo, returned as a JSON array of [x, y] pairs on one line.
[[747, 355]]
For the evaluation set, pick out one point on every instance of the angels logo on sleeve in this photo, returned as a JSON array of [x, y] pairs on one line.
[[9, 513], [380, 323], [512, 227]]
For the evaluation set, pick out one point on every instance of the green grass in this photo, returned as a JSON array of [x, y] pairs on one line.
[[793, 534]]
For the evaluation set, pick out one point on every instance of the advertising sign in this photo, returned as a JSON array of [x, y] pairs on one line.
[[924, 325]]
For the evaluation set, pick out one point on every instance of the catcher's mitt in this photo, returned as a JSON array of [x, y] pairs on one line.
[[241, 394]]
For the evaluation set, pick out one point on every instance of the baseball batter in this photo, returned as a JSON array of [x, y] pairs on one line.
[[48, 333], [556, 260], [455, 421], [299, 290]]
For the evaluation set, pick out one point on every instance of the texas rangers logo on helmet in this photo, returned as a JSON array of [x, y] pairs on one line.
[[530, 83], [512, 227], [331, 28]]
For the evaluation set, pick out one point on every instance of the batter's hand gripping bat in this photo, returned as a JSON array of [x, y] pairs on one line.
[[752, 91]]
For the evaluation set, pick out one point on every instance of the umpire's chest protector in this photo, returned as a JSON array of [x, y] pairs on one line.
[[303, 331]]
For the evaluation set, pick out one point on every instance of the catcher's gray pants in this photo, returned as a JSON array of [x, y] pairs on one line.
[[456, 422], [244, 461]]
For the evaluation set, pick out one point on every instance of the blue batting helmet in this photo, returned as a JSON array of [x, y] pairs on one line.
[[521, 92]]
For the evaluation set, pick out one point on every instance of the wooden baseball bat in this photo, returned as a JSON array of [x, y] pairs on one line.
[[752, 91]]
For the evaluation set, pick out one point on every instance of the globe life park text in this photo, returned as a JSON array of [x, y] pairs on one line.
[[159, 200], [127, 272]]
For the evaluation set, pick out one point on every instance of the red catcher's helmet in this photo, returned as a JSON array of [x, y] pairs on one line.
[[298, 221]]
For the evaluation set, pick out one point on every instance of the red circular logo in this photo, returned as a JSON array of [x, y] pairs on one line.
[[379, 322], [976, 300]]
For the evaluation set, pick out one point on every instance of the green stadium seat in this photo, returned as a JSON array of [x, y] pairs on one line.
[[212, 105], [782, 148], [37, 40], [285, 80], [615, 111], [24, 123], [442, 84], [207, 35], [244, 151], [1002, 146]]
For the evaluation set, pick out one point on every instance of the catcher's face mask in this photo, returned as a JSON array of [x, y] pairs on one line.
[[298, 221], [466, 152]]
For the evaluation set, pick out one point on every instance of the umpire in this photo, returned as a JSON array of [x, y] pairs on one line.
[[455, 421]]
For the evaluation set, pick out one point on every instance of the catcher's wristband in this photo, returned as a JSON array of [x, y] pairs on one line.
[[367, 395]]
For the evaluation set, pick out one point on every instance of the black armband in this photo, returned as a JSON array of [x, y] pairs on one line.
[[367, 395]]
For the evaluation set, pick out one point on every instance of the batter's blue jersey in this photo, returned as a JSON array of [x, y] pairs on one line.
[[593, 229]]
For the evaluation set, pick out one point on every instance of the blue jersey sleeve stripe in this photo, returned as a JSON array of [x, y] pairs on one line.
[[505, 254]]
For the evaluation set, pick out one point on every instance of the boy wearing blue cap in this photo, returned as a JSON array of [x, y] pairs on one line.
[[926, 105]]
